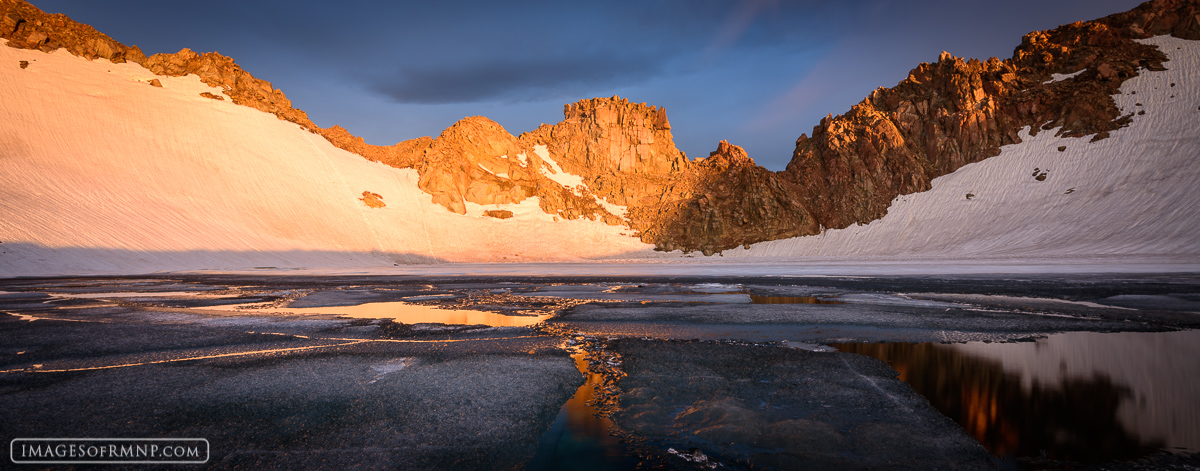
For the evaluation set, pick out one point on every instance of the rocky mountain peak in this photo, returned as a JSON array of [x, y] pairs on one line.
[[476, 160], [611, 135], [616, 111], [474, 138], [727, 155], [944, 115]]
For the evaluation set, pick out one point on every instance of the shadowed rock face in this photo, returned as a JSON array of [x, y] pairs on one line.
[[943, 116], [720, 202]]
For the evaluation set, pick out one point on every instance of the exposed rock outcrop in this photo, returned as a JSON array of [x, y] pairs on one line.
[[372, 200], [27, 27], [954, 112], [402, 155], [219, 71], [624, 151], [476, 160], [722, 201], [945, 115]]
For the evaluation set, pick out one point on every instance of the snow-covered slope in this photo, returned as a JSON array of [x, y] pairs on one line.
[[102, 172], [1136, 193]]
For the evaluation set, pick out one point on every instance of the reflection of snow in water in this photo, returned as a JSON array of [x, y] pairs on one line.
[[1160, 369]]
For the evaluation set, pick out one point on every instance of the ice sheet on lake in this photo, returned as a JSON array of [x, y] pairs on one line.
[[388, 367]]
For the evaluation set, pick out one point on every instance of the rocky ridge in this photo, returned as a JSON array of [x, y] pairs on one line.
[[943, 116], [474, 160], [954, 112]]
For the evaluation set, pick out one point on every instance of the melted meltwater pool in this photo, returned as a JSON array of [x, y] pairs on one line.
[[400, 312], [580, 439], [1078, 396]]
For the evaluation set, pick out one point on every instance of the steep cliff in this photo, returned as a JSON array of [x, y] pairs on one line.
[[616, 161], [954, 112], [723, 201], [896, 141], [476, 160]]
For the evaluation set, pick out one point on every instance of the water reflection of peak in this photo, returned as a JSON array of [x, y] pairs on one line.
[[1073, 420]]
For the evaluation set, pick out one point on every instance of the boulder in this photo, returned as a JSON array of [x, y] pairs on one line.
[[372, 200]]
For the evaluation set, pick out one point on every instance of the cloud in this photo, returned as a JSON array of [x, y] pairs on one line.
[[516, 78]]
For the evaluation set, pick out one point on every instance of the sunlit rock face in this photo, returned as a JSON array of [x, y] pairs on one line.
[[954, 112], [476, 160], [624, 150], [615, 161]]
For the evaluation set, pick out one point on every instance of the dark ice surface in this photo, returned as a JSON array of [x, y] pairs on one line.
[[785, 408], [688, 372]]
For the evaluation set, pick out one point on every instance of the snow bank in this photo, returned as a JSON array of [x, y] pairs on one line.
[[101, 172]]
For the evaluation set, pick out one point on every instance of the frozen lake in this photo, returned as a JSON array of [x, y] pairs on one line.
[[670, 371]]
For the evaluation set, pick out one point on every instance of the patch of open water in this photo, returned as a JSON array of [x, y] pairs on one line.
[[399, 311], [1079, 396], [579, 439]]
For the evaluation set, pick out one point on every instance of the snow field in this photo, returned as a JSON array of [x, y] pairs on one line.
[[102, 172], [1132, 194]]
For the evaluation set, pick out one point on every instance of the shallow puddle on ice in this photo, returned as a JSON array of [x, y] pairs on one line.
[[1079, 396], [399, 311], [579, 439]]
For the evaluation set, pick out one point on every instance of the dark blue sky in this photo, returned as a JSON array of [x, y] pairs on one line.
[[754, 72]]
